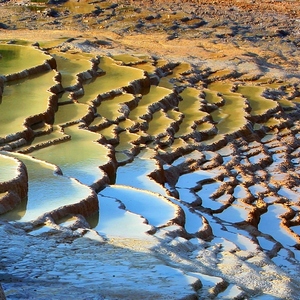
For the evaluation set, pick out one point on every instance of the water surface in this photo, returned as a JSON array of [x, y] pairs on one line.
[[14, 58], [22, 99]]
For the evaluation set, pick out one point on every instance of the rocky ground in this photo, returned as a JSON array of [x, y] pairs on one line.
[[193, 29], [232, 256]]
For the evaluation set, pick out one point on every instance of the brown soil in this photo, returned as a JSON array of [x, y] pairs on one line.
[[290, 8]]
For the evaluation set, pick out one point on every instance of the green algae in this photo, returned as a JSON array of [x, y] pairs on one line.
[[70, 113], [111, 108], [16, 42], [155, 94], [174, 114], [166, 83], [232, 115], [83, 7], [54, 135], [214, 139], [286, 103], [191, 102], [178, 143], [64, 98], [220, 87], [47, 44], [259, 104], [80, 157], [185, 129], [97, 122], [115, 78], [127, 123], [296, 100], [69, 65], [204, 127], [180, 69], [126, 140], [272, 122], [220, 74], [109, 132], [127, 58], [14, 58], [172, 80], [212, 96], [159, 123], [8, 168], [147, 67], [22, 99], [190, 107], [161, 63]]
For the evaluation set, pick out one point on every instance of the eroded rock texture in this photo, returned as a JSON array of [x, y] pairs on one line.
[[197, 168]]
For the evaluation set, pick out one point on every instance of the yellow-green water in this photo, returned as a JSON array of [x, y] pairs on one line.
[[159, 123], [69, 65], [70, 113], [110, 109], [258, 103], [80, 157], [190, 107], [46, 191], [155, 94], [231, 116], [8, 168], [22, 99], [14, 58], [115, 77]]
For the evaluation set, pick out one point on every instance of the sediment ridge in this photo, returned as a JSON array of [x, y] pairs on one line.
[[13, 191]]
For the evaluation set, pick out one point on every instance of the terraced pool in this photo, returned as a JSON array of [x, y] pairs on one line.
[[212, 163]]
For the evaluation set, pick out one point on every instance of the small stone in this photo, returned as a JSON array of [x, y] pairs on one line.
[[282, 32], [3, 26], [149, 18], [51, 12]]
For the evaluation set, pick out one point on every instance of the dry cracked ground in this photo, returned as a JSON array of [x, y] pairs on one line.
[[149, 150]]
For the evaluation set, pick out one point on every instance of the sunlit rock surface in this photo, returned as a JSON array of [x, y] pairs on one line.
[[13, 183], [124, 176]]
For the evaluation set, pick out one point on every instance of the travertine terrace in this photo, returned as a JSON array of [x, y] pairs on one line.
[[128, 170]]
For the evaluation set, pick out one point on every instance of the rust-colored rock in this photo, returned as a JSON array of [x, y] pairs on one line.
[[14, 190]]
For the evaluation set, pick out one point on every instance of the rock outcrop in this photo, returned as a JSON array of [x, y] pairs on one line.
[[14, 191]]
